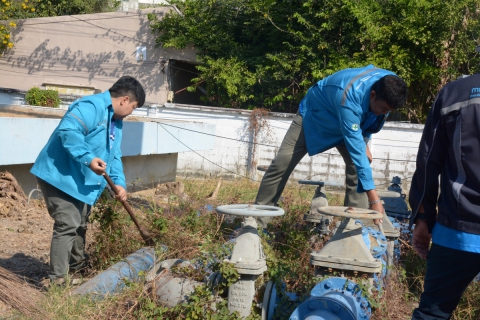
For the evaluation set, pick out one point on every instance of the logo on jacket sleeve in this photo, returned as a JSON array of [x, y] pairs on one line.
[[475, 93], [355, 127]]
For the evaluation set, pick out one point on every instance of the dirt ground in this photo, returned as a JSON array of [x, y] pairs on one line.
[[25, 232]]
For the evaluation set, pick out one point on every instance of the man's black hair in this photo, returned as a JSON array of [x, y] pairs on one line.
[[128, 86], [392, 90]]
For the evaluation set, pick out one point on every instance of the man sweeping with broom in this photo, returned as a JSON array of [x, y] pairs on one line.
[[69, 169]]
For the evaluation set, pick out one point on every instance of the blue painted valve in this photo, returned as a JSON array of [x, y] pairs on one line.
[[334, 299]]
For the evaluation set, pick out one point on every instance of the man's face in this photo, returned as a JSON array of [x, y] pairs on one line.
[[123, 107], [378, 107]]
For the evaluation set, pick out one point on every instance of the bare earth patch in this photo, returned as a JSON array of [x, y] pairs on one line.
[[25, 232]]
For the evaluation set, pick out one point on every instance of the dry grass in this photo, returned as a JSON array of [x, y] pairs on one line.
[[190, 229], [21, 296], [396, 302]]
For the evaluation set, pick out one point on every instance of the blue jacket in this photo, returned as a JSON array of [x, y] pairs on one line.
[[336, 110], [82, 134], [450, 149]]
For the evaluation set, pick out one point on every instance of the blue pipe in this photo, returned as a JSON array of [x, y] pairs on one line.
[[111, 280]]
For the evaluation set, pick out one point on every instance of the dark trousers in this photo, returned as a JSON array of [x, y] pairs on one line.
[[69, 230], [292, 150], [449, 272]]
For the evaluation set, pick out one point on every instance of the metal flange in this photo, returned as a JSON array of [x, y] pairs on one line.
[[252, 210], [349, 212]]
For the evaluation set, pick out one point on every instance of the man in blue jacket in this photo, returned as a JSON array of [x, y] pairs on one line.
[[69, 169], [449, 148], [341, 111]]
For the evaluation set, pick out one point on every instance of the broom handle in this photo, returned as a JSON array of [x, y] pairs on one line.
[[125, 204]]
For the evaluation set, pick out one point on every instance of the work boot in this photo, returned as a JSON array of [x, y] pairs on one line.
[[69, 280]]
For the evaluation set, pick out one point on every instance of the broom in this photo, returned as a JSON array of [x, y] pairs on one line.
[[20, 295]]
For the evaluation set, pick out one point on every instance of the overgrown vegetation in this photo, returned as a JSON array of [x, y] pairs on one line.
[[268, 53], [192, 231], [44, 98]]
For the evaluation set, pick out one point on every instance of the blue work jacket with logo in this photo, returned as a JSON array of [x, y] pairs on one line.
[[337, 109], [82, 134], [450, 149]]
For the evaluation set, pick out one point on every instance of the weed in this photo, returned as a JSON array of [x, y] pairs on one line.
[[191, 230], [45, 98]]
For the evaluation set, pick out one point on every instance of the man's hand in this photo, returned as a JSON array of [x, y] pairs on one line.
[[98, 166], [421, 238], [122, 193], [379, 208], [369, 154]]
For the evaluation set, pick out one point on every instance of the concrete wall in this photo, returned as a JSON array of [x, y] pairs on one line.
[[150, 152], [90, 51], [394, 148], [217, 142], [140, 171]]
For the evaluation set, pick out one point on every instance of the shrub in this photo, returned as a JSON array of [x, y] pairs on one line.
[[44, 98]]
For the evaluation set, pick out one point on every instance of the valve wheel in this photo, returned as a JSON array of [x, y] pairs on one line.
[[311, 182], [388, 194], [253, 210], [321, 183], [349, 212]]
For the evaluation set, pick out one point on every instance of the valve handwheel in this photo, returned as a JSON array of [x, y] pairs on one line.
[[253, 210], [310, 182], [349, 212], [321, 183]]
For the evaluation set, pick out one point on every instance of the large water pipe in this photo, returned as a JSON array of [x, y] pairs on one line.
[[112, 280]]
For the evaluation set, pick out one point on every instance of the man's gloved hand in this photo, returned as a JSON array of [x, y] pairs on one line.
[[421, 238]]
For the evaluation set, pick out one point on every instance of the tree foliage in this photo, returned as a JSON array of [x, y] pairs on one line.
[[51, 8], [12, 10], [267, 53]]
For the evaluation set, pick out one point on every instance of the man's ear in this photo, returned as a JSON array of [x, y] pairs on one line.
[[125, 100], [373, 95]]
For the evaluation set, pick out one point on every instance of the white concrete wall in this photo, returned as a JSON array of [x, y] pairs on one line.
[[187, 129], [140, 172], [394, 148], [27, 136], [150, 153]]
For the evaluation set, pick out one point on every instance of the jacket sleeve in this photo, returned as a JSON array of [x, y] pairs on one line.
[[76, 124], [116, 166], [430, 163], [116, 170], [354, 141]]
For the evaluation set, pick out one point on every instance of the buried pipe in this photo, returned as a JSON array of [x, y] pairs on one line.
[[169, 289], [113, 279]]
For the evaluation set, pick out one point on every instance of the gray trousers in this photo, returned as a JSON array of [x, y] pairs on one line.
[[69, 230], [292, 150]]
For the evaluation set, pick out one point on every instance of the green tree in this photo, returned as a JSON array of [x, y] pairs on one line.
[[51, 8], [10, 10], [280, 48], [427, 42]]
